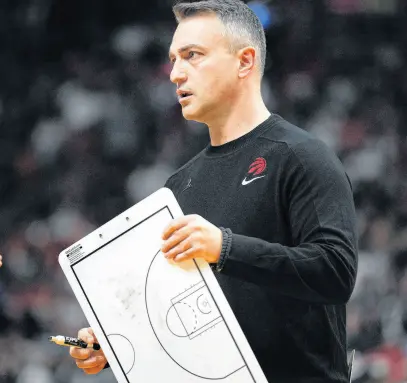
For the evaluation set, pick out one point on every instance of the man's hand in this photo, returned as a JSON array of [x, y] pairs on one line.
[[192, 237], [1, 260], [87, 359]]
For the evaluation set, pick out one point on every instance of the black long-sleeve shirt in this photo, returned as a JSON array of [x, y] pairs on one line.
[[292, 263]]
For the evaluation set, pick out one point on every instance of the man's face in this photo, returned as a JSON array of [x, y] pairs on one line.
[[203, 67]]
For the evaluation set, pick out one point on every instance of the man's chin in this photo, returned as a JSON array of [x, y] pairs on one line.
[[190, 114]]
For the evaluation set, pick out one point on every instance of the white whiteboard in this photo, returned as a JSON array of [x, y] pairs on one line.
[[156, 321]]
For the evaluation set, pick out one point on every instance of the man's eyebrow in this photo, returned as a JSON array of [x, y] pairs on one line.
[[185, 48]]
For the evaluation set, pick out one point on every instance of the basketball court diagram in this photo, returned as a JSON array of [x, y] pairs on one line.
[[191, 318]]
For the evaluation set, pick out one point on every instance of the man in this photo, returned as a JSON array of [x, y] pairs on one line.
[[266, 204]]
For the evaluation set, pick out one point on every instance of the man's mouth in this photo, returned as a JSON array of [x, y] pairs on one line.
[[184, 95]]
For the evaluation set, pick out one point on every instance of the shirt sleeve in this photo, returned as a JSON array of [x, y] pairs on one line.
[[321, 266]]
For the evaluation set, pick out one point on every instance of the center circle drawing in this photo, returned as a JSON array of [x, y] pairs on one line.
[[124, 351], [186, 321]]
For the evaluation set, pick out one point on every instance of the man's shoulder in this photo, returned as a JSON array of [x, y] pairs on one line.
[[306, 151], [285, 133], [294, 140]]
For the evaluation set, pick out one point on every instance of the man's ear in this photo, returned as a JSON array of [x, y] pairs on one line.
[[247, 59]]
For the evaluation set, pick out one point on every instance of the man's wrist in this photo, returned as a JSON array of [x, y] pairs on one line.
[[225, 250]]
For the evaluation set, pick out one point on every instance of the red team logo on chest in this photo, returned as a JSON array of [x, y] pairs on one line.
[[255, 169]]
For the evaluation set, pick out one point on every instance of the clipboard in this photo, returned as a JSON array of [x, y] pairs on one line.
[[155, 320]]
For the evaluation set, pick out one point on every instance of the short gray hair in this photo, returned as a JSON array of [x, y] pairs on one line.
[[239, 20]]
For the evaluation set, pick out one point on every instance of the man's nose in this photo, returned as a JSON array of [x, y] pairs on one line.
[[178, 74]]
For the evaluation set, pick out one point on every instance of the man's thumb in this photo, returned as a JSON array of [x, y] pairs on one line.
[[92, 337]]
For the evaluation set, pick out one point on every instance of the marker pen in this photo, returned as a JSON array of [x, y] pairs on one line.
[[75, 342]]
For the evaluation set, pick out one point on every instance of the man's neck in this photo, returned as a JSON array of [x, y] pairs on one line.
[[242, 119]]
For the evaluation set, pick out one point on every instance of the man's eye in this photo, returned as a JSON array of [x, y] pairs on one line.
[[192, 54]]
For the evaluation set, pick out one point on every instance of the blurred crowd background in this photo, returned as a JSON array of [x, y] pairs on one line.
[[90, 125]]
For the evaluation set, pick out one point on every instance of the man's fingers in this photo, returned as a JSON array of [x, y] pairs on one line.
[[175, 225], [179, 249], [84, 333], [93, 361], [175, 239], [186, 255], [87, 335], [95, 340], [80, 353], [93, 370]]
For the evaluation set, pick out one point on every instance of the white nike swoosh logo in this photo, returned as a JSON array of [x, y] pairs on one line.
[[244, 182]]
